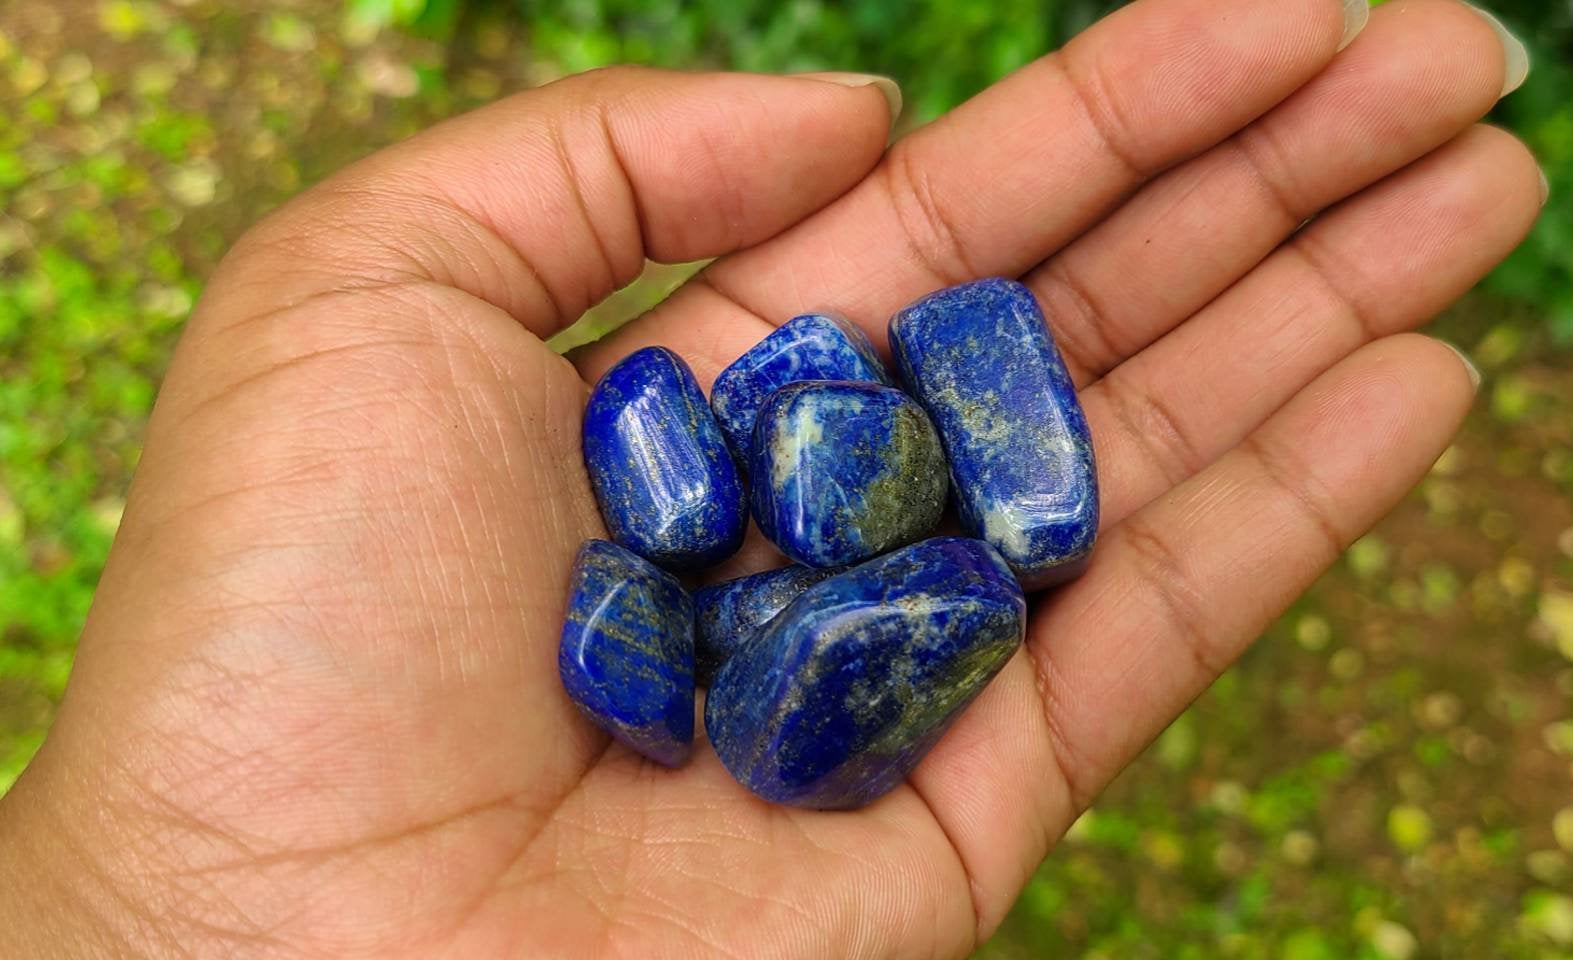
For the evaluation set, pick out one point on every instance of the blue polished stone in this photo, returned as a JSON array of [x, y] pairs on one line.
[[727, 615], [841, 695], [627, 653], [815, 346], [981, 360], [667, 486], [845, 471]]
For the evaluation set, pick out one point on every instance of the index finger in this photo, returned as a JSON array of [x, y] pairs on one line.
[[1013, 174]]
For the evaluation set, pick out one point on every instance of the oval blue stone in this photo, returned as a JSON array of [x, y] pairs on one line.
[[667, 486], [727, 615], [841, 695], [845, 471], [814, 346], [981, 360], [627, 653]]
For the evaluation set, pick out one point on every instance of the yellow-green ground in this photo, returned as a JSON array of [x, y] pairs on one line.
[[1388, 774]]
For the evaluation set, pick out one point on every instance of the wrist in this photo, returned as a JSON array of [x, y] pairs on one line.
[[51, 888]]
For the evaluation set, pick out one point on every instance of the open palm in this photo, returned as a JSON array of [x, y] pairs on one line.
[[316, 709]]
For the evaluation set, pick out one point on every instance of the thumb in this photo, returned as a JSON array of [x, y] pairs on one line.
[[547, 201], [354, 472], [352, 426]]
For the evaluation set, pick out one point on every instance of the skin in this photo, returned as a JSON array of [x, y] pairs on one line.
[[315, 710]]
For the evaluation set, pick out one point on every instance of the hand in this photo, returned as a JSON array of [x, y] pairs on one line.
[[316, 709]]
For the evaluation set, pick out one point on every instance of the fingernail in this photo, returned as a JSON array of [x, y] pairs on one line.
[[1469, 365], [1357, 13], [1545, 188], [887, 86], [1513, 51]]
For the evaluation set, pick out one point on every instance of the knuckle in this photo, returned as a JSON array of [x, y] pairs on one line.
[[1105, 112], [1084, 330], [1154, 427], [1292, 482], [929, 234], [1182, 607]]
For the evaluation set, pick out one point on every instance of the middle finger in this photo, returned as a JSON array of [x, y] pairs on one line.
[[1009, 176]]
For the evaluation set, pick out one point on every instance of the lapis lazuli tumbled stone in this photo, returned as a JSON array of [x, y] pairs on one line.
[[815, 346], [844, 471], [667, 486], [627, 653], [981, 360], [841, 695], [726, 615]]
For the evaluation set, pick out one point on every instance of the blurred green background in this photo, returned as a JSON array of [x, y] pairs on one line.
[[1388, 774]]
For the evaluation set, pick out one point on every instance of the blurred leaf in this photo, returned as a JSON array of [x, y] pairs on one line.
[[1409, 827], [1550, 915], [289, 33], [1367, 556], [1556, 612], [1177, 746], [1393, 941], [1309, 944]]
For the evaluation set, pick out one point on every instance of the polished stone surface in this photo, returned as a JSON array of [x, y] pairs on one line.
[[627, 653], [845, 471], [981, 360], [727, 615], [667, 486], [815, 346], [841, 695]]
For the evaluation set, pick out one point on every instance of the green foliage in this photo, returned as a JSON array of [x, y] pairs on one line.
[[90, 295], [434, 18], [941, 51], [172, 134], [1541, 271]]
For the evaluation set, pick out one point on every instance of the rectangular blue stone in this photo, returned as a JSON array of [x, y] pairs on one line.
[[667, 485], [981, 360]]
